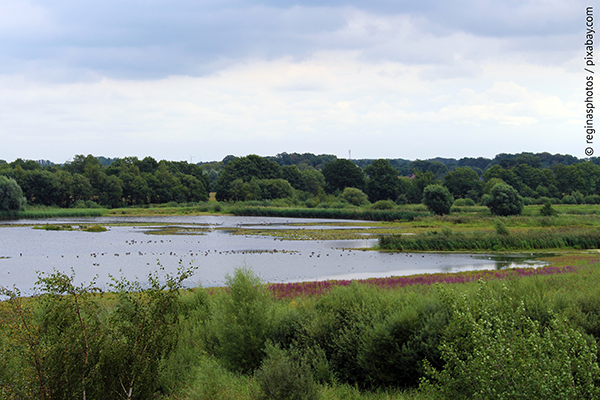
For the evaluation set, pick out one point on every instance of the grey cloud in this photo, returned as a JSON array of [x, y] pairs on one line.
[[143, 40]]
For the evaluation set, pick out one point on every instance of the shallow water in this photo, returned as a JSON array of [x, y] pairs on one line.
[[129, 251]]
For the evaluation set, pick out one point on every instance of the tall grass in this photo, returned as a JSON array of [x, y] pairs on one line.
[[559, 238], [329, 213], [54, 213]]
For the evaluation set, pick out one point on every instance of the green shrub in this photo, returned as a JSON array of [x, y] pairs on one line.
[[438, 199], [354, 196], [383, 205], [343, 213], [95, 228], [341, 327], [548, 211], [500, 227], [544, 200], [592, 199], [394, 349], [244, 322], [11, 195], [66, 344], [85, 204], [528, 201], [582, 238], [212, 381], [495, 351], [281, 378], [464, 202], [193, 337], [504, 200], [402, 199]]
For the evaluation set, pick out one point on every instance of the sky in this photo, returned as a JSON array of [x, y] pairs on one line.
[[197, 80]]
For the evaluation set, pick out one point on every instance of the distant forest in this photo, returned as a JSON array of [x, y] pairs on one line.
[[89, 181]]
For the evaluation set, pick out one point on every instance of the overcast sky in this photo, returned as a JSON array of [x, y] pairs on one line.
[[198, 80]]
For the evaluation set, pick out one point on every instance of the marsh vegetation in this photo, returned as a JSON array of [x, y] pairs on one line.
[[360, 340]]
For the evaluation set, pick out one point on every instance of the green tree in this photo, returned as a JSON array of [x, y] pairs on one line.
[[11, 195], [40, 187], [438, 199], [504, 200], [135, 188], [583, 177], [293, 175], [109, 190], [506, 175], [281, 378], [437, 168], [147, 165], [314, 180], [419, 182], [73, 187], [530, 176], [82, 163], [383, 183], [274, 188], [244, 168], [244, 191], [342, 173], [463, 181]]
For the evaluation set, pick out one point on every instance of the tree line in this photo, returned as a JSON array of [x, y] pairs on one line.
[[86, 182], [308, 178]]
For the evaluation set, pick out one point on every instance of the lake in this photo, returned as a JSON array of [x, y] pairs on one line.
[[130, 251]]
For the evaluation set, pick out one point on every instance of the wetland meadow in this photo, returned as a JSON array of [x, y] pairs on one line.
[[189, 304]]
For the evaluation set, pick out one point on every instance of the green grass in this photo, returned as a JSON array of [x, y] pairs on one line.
[[329, 213], [536, 239], [38, 213]]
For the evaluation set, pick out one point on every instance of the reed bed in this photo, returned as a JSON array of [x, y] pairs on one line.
[[540, 239], [328, 213], [54, 213]]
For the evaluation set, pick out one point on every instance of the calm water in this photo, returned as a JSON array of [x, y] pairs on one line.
[[129, 251]]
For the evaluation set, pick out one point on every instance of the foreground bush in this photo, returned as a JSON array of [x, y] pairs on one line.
[[67, 344], [244, 322], [281, 378], [496, 351], [357, 341]]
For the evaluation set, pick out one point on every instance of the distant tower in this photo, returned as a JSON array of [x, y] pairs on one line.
[[349, 154]]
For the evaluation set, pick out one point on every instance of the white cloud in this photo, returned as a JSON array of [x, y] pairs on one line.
[[420, 78], [262, 107]]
